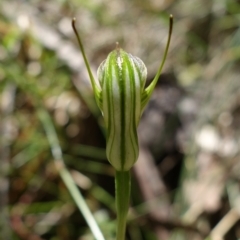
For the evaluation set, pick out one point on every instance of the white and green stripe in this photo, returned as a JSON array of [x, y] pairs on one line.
[[122, 78]]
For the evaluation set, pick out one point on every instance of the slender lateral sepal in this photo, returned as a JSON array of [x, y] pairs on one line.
[[96, 89], [149, 90]]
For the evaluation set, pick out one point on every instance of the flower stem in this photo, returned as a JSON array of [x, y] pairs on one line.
[[123, 183]]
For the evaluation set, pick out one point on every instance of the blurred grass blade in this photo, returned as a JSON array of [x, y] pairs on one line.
[[6, 110], [65, 175]]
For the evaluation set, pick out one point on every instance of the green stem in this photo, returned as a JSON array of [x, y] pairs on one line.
[[123, 183]]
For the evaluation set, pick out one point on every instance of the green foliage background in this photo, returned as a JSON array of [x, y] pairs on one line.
[[42, 68]]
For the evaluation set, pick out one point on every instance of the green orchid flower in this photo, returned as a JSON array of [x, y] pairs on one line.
[[121, 95]]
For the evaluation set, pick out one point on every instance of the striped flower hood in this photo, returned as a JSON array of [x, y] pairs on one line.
[[122, 79]]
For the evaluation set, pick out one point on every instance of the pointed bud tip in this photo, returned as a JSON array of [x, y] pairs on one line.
[[73, 22], [117, 46], [171, 20]]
